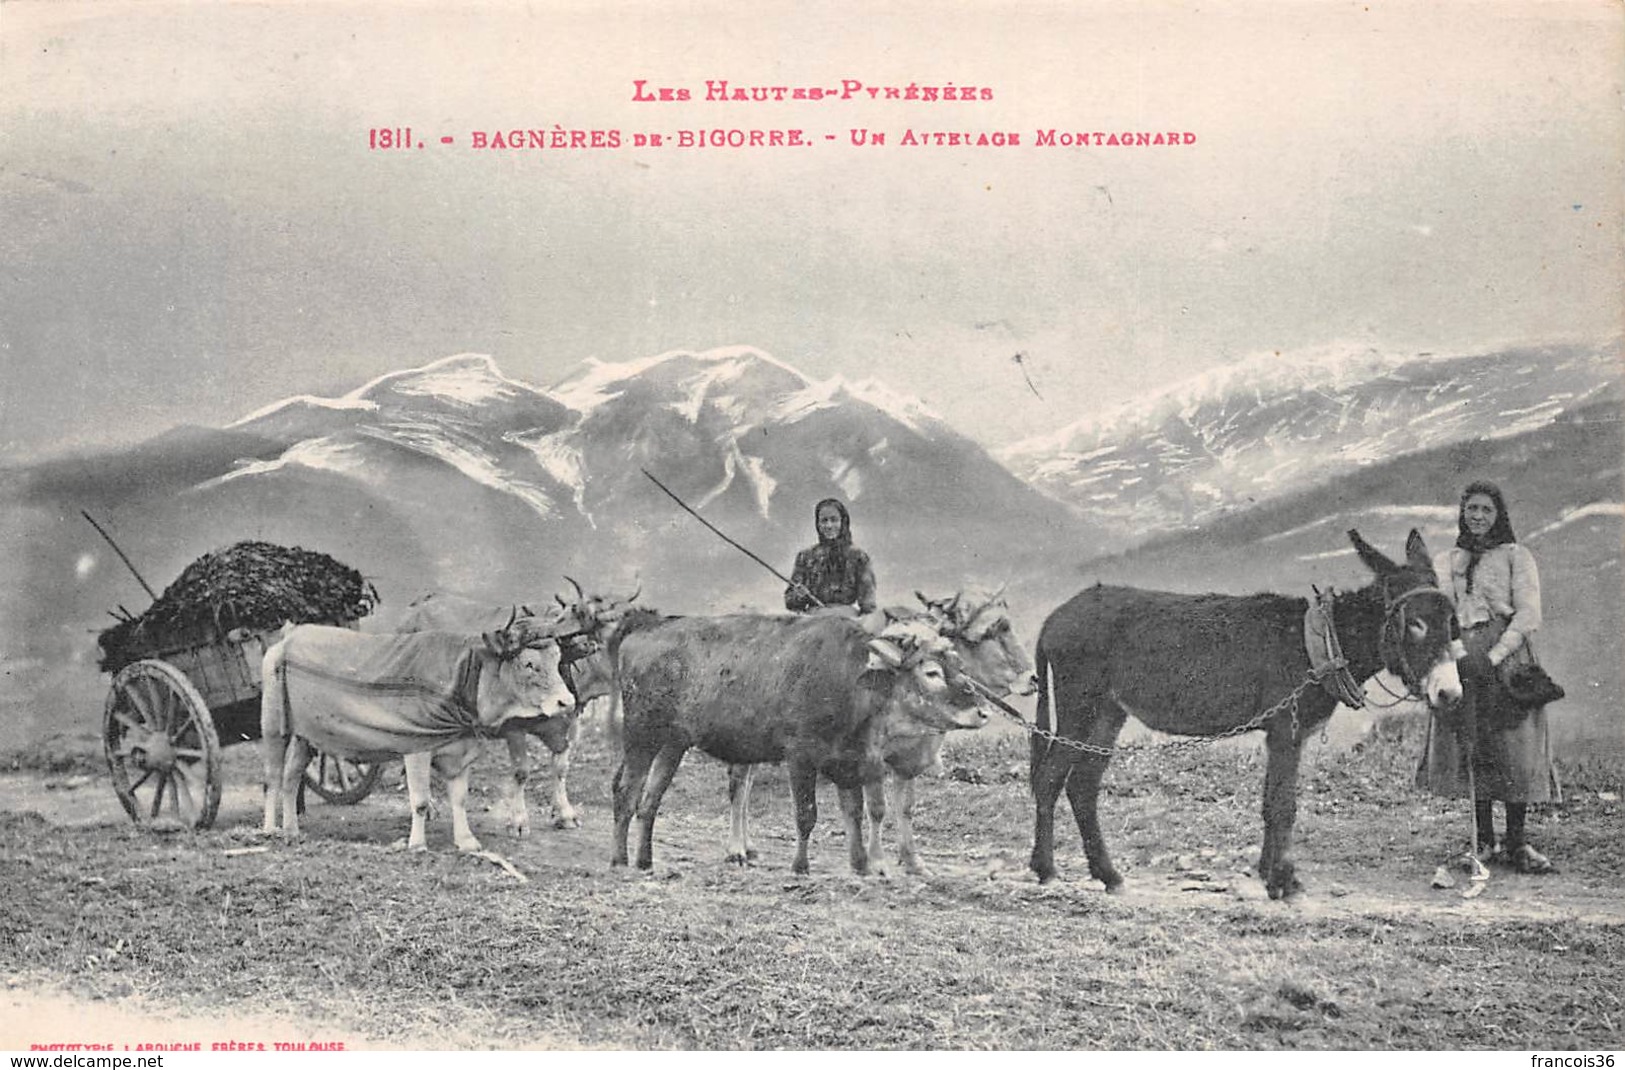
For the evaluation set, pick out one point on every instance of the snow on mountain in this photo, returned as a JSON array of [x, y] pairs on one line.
[[465, 455], [346, 403], [731, 428], [755, 470], [733, 379], [460, 411], [802, 403], [1583, 512], [734, 427], [1437, 523], [1273, 424], [559, 459], [467, 379], [1326, 368], [838, 390]]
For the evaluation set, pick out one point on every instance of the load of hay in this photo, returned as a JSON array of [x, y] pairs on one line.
[[252, 585]]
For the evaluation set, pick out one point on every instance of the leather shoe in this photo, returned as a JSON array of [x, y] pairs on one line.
[[1528, 860]]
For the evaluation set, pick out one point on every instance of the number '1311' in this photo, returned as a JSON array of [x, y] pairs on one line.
[[390, 137]]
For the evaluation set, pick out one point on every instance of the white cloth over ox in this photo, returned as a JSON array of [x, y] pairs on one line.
[[451, 613], [373, 697]]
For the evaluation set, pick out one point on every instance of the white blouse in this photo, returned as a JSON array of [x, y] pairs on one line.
[[1506, 586]]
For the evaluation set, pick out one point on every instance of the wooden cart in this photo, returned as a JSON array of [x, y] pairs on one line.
[[170, 712]]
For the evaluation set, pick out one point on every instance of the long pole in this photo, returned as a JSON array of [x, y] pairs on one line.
[[724, 537], [980, 688], [1470, 738], [150, 592]]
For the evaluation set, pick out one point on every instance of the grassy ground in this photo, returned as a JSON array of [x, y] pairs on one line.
[[341, 932]]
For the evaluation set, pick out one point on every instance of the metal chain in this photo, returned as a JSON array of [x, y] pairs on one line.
[[1409, 695], [1290, 702]]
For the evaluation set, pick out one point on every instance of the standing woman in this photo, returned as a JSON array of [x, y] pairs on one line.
[[833, 573], [1496, 588]]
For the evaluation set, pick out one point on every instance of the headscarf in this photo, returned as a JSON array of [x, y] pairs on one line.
[[1500, 532], [844, 539]]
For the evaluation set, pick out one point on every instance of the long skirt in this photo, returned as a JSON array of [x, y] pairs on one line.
[[1511, 764]]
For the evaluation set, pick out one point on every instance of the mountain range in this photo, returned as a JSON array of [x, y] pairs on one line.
[[454, 476], [1266, 427]]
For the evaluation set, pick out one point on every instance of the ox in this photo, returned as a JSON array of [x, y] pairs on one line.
[[977, 624], [1215, 665], [429, 697], [582, 625], [815, 692]]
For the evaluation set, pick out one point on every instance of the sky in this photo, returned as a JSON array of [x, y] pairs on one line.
[[192, 224]]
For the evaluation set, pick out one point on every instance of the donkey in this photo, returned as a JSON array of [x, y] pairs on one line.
[[1215, 665]]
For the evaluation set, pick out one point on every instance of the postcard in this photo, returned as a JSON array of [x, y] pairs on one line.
[[1010, 430]]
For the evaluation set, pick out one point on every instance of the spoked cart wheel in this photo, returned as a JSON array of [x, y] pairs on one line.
[[162, 749], [340, 780]]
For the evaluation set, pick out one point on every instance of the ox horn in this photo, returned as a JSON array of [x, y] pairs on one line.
[[616, 609], [987, 605], [581, 596], [500, 643]]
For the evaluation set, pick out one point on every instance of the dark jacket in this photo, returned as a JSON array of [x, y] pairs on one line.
[[835, 572], [836, 575]]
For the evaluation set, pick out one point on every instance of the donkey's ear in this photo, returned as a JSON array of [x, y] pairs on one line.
[[1374, 559], [1416, 553]]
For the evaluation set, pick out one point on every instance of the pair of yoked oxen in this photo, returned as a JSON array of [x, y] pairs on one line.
[[849, 699]]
